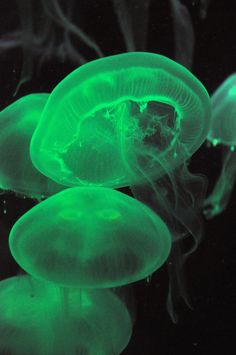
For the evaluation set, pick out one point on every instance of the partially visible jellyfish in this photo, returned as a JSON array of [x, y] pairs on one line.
[[17, 173], [223, 131], [131, 120], [90, 237], [40, 318]]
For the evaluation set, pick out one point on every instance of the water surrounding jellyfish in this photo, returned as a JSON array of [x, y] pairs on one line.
[[17, 173], [90, 237], [110, 123], [41, 318], [133, 17], [38, 35], [223, 131]]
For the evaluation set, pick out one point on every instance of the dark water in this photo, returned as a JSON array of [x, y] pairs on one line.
[[210, 272]]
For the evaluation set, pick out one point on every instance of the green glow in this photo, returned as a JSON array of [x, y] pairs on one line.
[[219, 198], [90, 237], [40, 318], [223, 131], [118, 112], [17, 124], [223, 126]]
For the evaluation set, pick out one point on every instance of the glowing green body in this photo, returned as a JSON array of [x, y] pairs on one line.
[[17, 124], [90, 237], [223, 131], [118, 113], [40, 318], [223, 125]]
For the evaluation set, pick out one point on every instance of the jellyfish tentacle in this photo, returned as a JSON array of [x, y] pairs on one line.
[[27, 30], [184, 33], [177, 282], [133, 20], [54, 11], [177, 206], [219, 198]]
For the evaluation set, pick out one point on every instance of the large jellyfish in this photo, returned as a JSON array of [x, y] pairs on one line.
[[110, 122], [223, 131], [40, 318], [17, 173], [90, 237], [131, 120]]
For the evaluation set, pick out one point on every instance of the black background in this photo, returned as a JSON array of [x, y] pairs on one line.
[[210, 326]]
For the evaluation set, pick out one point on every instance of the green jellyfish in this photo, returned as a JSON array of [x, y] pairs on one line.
[[41, 318], [107, 116], [90, 237], [17, 173], [223, 131]]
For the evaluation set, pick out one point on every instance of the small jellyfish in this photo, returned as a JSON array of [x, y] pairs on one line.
[[109, 121], [90, 237], [17, 173], [223, 131], [41, 318]]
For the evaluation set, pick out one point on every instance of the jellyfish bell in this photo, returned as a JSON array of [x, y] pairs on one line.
[[223, 132], [40, 318], [90, 237], [109, 118], [17, 173], [223, 123]]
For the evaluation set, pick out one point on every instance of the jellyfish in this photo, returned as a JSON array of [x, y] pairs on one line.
[[90, 237], [108, 109], [17, 173], [223, 131], [132, 119], [38, 317]]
